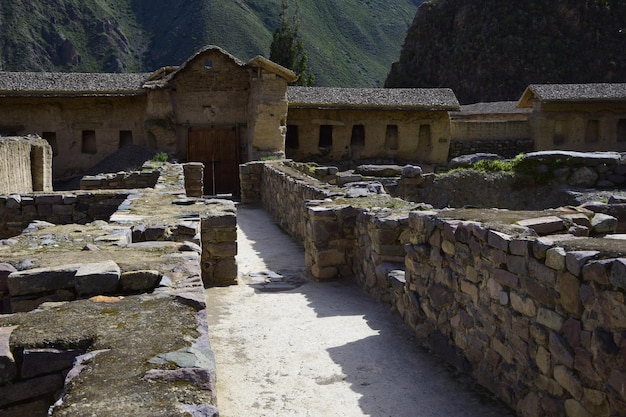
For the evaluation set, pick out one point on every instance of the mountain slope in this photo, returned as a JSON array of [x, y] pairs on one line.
[[491, 50], [349, 42]]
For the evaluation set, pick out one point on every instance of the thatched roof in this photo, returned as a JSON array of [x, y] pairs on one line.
[[373, 98], [594, 92], [71, 84]]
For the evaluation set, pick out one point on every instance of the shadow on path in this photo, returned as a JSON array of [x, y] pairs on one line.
[[336, 343]]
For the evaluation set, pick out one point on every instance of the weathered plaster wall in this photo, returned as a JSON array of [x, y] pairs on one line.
[[376, 144], [25, 165], [68, 117], [580, 127]]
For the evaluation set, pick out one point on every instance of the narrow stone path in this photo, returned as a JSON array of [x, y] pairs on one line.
[[287, 347]]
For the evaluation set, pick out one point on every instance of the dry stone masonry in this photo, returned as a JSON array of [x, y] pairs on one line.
[[526, 302], [119, 300]]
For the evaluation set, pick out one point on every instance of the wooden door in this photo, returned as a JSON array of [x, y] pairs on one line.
[[217, 147]]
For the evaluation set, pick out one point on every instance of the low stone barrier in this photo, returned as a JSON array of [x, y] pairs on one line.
[[120, 180], [219, 246], [194, 179], [18, 211]]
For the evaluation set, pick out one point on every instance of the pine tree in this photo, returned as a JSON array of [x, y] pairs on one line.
[[287, 48]]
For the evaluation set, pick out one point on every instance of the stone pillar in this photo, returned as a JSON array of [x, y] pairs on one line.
[[219, 248], [194, 179]]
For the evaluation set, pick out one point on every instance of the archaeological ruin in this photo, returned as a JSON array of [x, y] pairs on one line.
[[516, 278]]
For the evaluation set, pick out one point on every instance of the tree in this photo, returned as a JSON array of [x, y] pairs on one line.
[[287, 48]]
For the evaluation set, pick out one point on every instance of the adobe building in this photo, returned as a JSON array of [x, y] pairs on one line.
[[213, 109], [361, 123], [579, 117]]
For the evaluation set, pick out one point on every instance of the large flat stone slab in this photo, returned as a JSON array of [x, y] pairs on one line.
[[98, 278], [41, 280]]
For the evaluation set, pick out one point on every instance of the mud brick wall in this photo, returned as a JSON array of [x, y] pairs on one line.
[[120, 181], [541, 327], [17, 211], [219, 247]]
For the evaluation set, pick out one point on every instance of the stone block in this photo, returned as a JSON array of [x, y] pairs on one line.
[[8, 369], [569, 288], [520, 247], [32, 388], [226, 220], [543, 360], [525, 306], [517, 264], [506, 278], [568, 380], [555, 258], [603, 223], [583, 364], [142, 280], [577, 259], [541, 272], [324, 273], [221, 250], [573, 408], [560, 351], [550, 319], [97, 278], [499, 240], [37, 362], [618, 273], [40, 280], [544, 225], [597, 271]]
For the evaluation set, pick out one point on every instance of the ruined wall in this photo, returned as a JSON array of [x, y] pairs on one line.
[[25, 165], [539, 325], [120, 181], [414, 135], [18, 211], [536, 323], [81, 130]]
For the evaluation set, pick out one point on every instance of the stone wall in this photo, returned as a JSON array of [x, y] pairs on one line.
[[120, 180], [219, 246], [18, 211], [507, 148], [25, 165], [539, 325], [537, 320], [30, 383]]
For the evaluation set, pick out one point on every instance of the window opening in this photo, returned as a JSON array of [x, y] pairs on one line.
[[592, 132], [51, 138], [558, 137], [621, 130], [126, 138], [391, 138], [326, 136], [89, 144], [358, 136], [292, 139]]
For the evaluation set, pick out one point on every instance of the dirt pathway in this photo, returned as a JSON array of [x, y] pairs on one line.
[[319, 349]]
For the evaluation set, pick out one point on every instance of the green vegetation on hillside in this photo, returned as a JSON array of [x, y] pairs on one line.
[[350, 43]]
